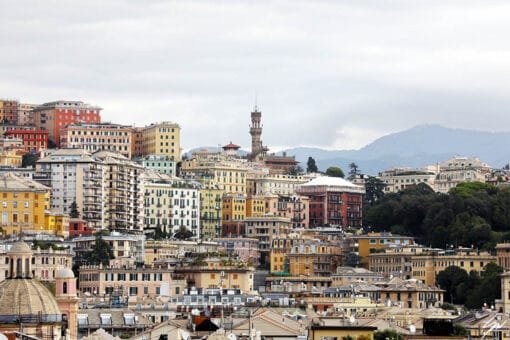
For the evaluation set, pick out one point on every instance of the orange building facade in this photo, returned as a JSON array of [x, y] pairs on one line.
[[33, 140], [55, 116]]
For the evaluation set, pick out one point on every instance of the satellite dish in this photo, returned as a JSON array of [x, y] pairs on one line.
[[231, 336], [185, 336], [412, 328], [352, 319]]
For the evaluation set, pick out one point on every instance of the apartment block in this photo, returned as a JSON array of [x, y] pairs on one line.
[[97, 137], [210, 210], [364, 245], [33, 140], [295, 207], [55, 116], [74, 176], [123, 245], [159, 163], [218, 273], [460, 170], [137, 142], [162, 139], [123, 192], [233, 215], [170, 204], [135, 281], [9, 111], [25, 114], [427, 266], [46, 263], [246, 249], [265, 228], [275, 184], [398, 179], [24, 203]]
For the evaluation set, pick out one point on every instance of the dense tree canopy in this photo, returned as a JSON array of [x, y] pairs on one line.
[[101, 252], [471, 214], [311, 166], [334, 171], [472, 290]]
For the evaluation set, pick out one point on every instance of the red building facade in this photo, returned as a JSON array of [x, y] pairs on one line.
[[333, 202], [55, 116], [33, 140]]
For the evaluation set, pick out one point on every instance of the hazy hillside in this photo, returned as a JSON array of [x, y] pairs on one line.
[[418, 146]]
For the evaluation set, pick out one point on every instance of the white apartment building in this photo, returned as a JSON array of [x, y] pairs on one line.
[[74, 175], [123, 192], [275, 184], [459, 170], [106, 186], [171, 203], [398, 179]]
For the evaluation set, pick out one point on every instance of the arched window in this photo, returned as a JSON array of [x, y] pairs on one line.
[[64, 288]]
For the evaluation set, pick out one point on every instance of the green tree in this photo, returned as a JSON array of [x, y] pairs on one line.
[[183, 233], [352, 260], [28, 160], [101, 252], [449, 279], [160, 233], [73, 208], [374, 189], [353, 170], [387, 334], [487, 289], [295, 170], [311, 166], [334, 171]]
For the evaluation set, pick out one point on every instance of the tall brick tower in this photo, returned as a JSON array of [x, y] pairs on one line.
[[257, 150]]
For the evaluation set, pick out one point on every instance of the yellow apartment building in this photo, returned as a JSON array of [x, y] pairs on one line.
[[228, 175], [426, 266], [23, 203], [56, 223], [364, 245], [210, 210], [233, 215], [255, 206], [219, 273], [11, 158], [162, 139]]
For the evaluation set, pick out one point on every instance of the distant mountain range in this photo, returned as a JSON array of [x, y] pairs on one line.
[[416, 147]]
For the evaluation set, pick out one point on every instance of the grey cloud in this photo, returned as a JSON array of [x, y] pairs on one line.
[[317, 66]]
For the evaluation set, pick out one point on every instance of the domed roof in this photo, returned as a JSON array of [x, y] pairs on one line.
[[26, 296], [20, 247], [65, 273]]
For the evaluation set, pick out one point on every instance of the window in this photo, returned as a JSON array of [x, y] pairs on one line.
[[129, 319], [106, 319], [83, 319]]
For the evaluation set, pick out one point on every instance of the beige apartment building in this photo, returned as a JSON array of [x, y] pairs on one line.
[[265, 228], [210, 210], [275, 184], [413, 262], [46, 263], [130, 281], [162, 139], [218, 273], [295, 207], [97, 137], [398, 179], [427, 266], [458, 170]]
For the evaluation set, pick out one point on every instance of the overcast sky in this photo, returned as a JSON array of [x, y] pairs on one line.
[[334, 74]]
